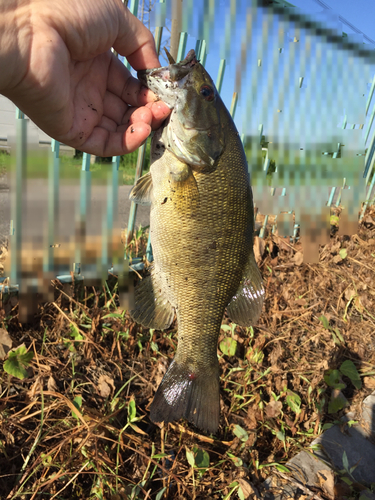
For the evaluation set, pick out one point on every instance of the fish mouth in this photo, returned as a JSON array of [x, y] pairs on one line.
[[174, 72]]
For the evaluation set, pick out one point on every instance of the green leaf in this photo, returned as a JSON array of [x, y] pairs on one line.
[[226, 328], [77, 401], [334, 220], [241, 494], [345, 461], [255, 355], [46, 459], [350, 423], [281, 468], [280, 435], [326, 426], [337, 403], [337, 331], [190, 457], [132, 411], [154, 346], [349, 482], [335, 339], [237, 461], [325, 322], [160, 494], [332, 378], [348, 368], [343, 253], [17, 362], [240, 433], [161, 455], [74, 332], [228, 346], [202, 459], [294, 402]]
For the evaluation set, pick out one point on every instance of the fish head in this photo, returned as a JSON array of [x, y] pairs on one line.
[[194, 131]]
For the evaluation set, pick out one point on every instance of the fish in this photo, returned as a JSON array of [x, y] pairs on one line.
[[201, 227]]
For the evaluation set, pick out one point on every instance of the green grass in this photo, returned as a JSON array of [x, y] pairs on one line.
[[70, 168]]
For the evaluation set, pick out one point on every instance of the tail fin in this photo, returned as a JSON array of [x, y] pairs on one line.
[[195, 397]]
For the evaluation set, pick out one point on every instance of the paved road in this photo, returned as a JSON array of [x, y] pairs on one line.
[[35, 211]]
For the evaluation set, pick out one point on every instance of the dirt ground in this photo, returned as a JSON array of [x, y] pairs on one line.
[[77, 425]]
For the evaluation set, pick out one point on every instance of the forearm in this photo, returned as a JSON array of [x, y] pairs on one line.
[[14, 35]]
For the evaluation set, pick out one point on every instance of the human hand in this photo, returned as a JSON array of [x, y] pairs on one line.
[[59, 70]]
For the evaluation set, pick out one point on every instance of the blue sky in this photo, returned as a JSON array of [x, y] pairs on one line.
[[245, 36], [291, 83], [359, 13]]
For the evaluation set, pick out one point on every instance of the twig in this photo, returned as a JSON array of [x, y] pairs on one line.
[[206, 439], [361, 264], [69, 403], [79, 304], [84, 334], [32, 449], [304, 314], [71, 480]]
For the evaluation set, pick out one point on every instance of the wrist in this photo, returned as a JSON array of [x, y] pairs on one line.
[[14, 33]]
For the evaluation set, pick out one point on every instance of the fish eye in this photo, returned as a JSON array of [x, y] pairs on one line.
[[207, 92]]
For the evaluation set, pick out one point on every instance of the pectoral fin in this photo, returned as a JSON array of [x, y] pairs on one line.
[[184, 188], [152, 308], [246, 305], [142, 191]]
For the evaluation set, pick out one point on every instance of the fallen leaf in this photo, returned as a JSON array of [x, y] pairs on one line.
[[336, 259], [36, 386], [298, 258], [5, 343], [342, 490], [335, 248], [51, 384], [162, 368], [300, 302], [349, 293], [259, 246], [273, 409], [326, 479], [248, 489], [369, 382], [105, 385], [368, 221]]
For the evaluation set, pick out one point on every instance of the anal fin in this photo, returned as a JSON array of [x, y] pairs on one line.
[[152, 308], [142, 190], [246, 305]]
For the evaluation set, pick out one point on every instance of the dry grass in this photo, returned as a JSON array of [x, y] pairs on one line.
[[78, 425]]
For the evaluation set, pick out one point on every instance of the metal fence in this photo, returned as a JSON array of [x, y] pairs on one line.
[[20, 279]]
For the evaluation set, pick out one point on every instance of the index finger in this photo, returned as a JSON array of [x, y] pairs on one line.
[[136, 43], [129, 89]]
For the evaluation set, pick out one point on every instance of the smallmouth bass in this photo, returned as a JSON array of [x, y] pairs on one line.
[[201, 225]]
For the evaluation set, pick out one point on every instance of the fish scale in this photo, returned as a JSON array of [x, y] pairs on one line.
[[201, 225]]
